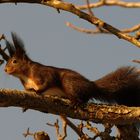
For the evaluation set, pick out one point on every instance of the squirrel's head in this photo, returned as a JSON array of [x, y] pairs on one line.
[[18, 58]]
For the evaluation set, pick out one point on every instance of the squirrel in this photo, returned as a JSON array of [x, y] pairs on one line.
[[121, 86]]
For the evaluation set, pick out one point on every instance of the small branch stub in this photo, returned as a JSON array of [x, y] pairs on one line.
[[40, 135]]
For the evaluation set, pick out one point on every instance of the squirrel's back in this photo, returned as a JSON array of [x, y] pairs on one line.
[[121, 86]]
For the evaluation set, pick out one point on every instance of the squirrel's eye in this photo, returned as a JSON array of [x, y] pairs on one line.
[[14, 61]]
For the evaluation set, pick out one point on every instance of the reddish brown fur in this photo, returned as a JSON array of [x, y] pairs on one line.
[[122, 86], [70, 82]]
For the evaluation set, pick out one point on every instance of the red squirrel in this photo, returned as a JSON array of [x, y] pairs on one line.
[[121, 86]]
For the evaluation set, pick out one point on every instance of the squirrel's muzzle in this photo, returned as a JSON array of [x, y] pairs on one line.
[[8, 70], [5, 69]]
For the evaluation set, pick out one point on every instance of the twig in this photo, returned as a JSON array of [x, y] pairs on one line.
[[27, 133], [99, 31], [89, 9], [92, 129], [84, 136], [2, 51], [87, 31], [64, 126], [105, 135], [136, 61], [3, 54], [111, 3], [132, 29], [74, 127], [41, 135]]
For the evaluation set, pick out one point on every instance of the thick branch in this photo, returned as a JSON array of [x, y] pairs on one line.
[[92, 19], [95, 113]]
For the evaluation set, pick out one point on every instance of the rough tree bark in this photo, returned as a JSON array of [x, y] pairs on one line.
[[51, 104], [121, 116]]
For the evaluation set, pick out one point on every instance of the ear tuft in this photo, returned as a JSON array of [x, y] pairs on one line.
[[10, 47], [18, 43]]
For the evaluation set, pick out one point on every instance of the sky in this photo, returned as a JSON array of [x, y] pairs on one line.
[[49, 41]]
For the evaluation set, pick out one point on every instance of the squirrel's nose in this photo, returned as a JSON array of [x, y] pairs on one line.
[[5, 69]]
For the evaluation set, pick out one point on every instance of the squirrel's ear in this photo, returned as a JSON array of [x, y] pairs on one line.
[[18, 44], [10, 47]]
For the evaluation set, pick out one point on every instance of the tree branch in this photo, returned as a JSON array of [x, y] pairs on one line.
[[101, 31], [59, 5], [92, 19], [111, 3], [40, 135], [73, 127], [54, 105]]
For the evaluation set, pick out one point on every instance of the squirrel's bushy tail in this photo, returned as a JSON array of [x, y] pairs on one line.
[[121, 86]]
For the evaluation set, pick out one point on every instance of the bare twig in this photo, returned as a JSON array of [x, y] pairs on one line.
[[64, 126], [99, 31], [2, 51], [27, 133], [87, 31], [89, 9], [97, 133], [132, 29], [136, 61], [3, 54], [84, 136], [74, 127], [81, 127], [41, 135], [111, 3], [92, 129]]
